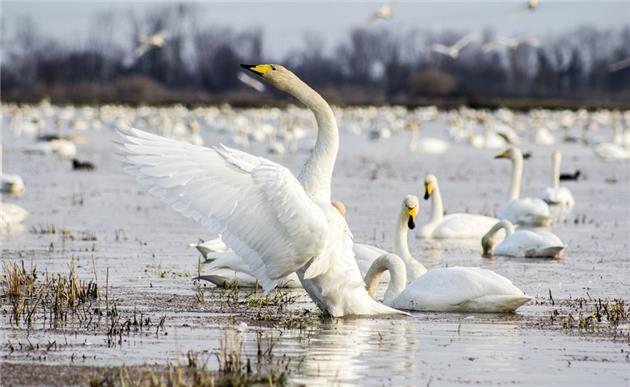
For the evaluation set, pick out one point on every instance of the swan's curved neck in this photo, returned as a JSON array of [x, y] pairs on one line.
[[489, 240], [397, 273], [437, 208], [414, 268], [316, 174], [517, 175], [400, 242], [556, 170]]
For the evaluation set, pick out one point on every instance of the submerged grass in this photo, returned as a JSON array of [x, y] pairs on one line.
[[587, 315]]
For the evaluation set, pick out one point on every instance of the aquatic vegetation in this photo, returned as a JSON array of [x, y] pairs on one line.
[[51, 297], [233, 372], [594, 316]]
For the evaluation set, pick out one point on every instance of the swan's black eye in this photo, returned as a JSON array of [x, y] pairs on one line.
[[273, 68]]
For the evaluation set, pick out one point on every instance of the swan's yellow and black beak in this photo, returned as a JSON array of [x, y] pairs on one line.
[[259, 70], [428, 190], [411, 222], [502, 155]]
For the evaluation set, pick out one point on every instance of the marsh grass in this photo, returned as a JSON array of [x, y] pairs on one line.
[[271, 308], [194, 372], [50, 296], [587, 315]]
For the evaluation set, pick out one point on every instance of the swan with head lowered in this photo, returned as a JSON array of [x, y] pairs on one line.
[[522, 211], [524, 243], [456, 289], [450, 289], [277, 223], [556, 195], [439, 226]]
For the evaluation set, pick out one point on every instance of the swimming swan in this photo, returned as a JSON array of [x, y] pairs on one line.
[[11, 215], [451, 289], [525, 211], [556, 195], [277, 223], [465, 226], [406, 219], [522, 242]]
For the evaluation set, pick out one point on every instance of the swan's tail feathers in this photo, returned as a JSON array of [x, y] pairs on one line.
[[367, 306], [218, 280], [384, 310], [497, 303], [553, 252], [225, 278]]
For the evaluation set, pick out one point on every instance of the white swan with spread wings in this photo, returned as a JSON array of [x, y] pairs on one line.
[[277, 223]]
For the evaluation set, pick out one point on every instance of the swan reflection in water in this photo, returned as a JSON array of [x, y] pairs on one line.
[[343, 352], [405, 351]]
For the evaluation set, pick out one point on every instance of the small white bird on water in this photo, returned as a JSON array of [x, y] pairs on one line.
[[525, 243], [451, 226], [11, 184], [522, 211], [556, 195]]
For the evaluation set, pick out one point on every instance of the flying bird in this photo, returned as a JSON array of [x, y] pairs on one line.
[[251, 82], [147, 43], [454, 50], [385, 12], [620, 65], [511, 43]]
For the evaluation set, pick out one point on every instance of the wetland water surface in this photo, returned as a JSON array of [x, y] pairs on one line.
[[116, 232]]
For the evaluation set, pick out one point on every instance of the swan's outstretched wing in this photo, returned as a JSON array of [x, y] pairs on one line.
[[258, 206]]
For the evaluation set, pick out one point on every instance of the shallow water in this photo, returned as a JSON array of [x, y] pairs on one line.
[[144, 246]]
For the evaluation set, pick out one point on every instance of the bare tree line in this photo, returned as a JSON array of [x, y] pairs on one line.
[[200, 63]]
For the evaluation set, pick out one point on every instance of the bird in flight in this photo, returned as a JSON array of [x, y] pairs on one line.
[[511, 43], [251, 82], [384, 12], [454, 50], [147, 43], [619, 65]]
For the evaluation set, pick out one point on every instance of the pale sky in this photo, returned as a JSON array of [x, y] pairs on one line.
[[284, 24]]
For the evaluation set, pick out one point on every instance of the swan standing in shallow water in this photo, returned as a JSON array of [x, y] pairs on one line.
[[277, 223], [526, 211], [228, 267], [464, 226], [522, 242], [556, 195], [451, 289]]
